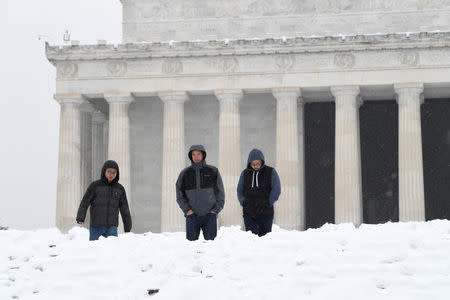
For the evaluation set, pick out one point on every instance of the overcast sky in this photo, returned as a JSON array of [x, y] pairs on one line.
[[29, 117]]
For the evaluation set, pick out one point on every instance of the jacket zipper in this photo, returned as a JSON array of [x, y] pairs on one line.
[[109, 201]]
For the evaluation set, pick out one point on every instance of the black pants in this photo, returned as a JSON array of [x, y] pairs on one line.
[[259, 226], [207, 223]]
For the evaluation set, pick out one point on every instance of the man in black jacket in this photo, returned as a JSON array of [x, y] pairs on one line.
[[106, 197], [200, 195]]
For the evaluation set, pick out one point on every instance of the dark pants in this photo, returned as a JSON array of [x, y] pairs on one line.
[[96, 232], [208, 224], [259, 226]]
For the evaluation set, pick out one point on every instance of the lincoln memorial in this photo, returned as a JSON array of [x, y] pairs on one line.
[[348, 99]]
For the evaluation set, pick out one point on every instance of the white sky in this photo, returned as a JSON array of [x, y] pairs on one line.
[[29, 117]]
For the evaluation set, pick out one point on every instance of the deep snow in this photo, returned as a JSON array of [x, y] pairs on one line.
[[386, 261]]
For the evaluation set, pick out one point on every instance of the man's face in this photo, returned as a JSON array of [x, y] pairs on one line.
[[197, 156], [256, 164], [110, 174]]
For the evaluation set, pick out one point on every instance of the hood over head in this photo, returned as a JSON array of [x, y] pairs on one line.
[[199, 148], [254, 155], [113, 165]]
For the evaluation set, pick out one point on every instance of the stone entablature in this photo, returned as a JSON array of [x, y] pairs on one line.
[[339, 43], [164, 20], [315, 61]]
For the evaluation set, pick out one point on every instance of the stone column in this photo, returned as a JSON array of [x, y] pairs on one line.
[[105, 140], [230, 154], [119, 140], [289, 210], [347, 186], [98, 148], [174, 155], [69, 161], [410, 160], [86, 145], [301, 155]]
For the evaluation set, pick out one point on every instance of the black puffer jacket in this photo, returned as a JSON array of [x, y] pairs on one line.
[[106, 199]]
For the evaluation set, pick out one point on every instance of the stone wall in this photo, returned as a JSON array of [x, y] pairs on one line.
[[180, 20], [146, 118]]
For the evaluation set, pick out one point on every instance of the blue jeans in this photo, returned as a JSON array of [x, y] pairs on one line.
[[208, 224], [96, 232], [259, 226]]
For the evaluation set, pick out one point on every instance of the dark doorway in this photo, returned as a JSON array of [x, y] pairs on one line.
[[319, 163], [436, 157], [379, 160]]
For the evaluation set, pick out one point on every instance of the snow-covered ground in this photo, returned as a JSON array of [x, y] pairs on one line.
[[389, 261]]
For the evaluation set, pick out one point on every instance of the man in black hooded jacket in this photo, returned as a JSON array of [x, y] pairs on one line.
[[200, 195], [258, 189], [106, 197]]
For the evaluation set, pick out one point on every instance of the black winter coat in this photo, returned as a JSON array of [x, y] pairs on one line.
[[106, 199]]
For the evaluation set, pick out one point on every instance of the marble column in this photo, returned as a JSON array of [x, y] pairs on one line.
[[69, 161], [410, 160], [230, 154], [98, 148], [289, 210], [105, 140], [86, 145], [348, 183], [301, 155], [119, 140], [174, 158]]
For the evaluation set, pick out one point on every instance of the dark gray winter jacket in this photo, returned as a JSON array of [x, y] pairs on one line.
[[199, 187], [106, 199]]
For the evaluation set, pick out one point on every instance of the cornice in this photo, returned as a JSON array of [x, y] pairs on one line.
[[285, 45]]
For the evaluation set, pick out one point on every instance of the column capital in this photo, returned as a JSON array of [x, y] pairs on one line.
[[69, 98], [409, 89], [234, 94], [345, 90], [98, 117], [126, 98], [173, 96], [286, 92]]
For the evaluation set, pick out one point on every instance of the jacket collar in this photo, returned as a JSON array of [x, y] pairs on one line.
[[198, 165]]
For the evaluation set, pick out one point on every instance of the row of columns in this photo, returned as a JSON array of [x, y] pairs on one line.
[[77, 115], [289, 209]]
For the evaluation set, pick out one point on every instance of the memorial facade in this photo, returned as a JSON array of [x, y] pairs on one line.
[[310, 83]]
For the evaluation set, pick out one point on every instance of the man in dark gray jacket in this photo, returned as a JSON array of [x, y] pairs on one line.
[[200, 195]]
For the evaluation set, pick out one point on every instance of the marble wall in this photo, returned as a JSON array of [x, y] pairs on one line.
[[165, 20]]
